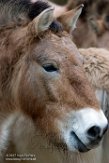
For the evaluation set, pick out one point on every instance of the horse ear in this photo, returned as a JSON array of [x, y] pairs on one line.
[[42, 22], [69, 19]]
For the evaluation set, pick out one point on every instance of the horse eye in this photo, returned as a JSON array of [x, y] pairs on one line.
[[50, 68], [107, 18]]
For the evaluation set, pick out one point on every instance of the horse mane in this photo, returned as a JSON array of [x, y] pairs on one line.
[[20, 12]]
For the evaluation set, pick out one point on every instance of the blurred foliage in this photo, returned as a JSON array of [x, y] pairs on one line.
[[61, 2]]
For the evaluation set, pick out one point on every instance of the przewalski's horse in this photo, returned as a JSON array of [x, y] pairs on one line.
[[42, 76]]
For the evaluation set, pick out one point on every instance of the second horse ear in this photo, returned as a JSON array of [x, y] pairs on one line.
[[69, 19]]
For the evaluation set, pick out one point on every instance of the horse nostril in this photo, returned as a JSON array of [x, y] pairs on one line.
[[94, 132]]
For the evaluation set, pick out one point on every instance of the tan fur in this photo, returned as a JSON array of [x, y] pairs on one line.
[[96, 65], [26, 86]]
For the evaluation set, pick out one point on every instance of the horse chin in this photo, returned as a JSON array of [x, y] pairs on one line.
[[61, 146], [81, 148], [58, 144]]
